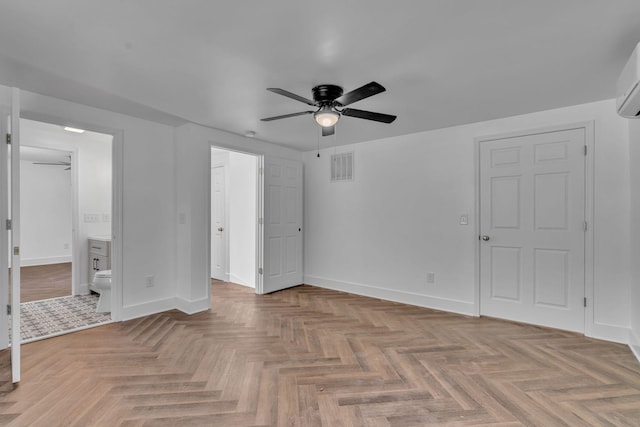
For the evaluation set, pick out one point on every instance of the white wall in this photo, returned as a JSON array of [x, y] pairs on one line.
[[634, 164], [147, 232], [242, 218], [163, 228], [192, 156], [45, 207], [399, 219]]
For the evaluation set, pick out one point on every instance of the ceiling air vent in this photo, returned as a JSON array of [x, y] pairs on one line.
[[342, 167]]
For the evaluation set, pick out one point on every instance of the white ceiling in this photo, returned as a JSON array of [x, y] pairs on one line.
[[443, 62], [44, 142]]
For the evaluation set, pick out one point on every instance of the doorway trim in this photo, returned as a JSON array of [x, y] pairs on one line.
[[117, 163], [589, 131], [260, 227]]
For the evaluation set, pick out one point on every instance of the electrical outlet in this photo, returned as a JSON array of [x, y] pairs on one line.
[[431, 277], [66, 246], [106, 217], [149, 281]]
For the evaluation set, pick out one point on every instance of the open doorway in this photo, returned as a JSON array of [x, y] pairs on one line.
[[234, 217], [66, 198], [46, 204]]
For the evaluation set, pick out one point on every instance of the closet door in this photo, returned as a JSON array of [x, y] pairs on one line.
[[532, 215]]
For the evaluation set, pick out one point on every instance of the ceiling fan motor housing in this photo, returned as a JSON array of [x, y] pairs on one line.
[[326, 94]]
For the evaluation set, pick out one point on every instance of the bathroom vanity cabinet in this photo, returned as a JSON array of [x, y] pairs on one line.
[[99, 256]]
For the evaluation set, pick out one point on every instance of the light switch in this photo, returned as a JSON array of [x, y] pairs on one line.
[[464, 219], [89, 217]]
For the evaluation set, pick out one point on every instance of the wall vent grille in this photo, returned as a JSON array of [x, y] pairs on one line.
[[342, 167]]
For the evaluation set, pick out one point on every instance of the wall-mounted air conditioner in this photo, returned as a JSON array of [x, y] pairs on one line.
[[628, 88]]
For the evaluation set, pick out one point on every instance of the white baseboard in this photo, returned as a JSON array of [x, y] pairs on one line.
[[436, 303], [30, 262], [239, 281], [148, 308], [599, 331], [192, 307], [158, 306], [612, 333], [634, 344]]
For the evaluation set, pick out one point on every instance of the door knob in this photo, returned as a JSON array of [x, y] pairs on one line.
[[220, 229], [485, 238]]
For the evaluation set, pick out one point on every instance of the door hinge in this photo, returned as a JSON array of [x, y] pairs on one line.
[[9, 309], [8, 138], [585, 226], [260, 221], [261, 171], [260, 270], [8, 223], [585, 301], [585, 150]]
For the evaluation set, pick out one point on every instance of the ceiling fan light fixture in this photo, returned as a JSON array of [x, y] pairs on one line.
[[326, 117]]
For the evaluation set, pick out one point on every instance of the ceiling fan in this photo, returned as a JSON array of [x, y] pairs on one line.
[[58, 163], [330, 100]]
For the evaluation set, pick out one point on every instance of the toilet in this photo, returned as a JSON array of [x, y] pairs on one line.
[[102, 283]]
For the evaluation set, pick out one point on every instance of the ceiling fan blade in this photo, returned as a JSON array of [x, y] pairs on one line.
[[328, 131], [284, 116], [363, 92], [291, 95], [368, 115]]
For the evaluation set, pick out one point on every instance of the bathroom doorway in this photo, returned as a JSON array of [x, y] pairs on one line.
[[66, 198], [234, 217]]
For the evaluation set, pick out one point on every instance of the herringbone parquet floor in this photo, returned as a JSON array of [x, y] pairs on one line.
[[45, 281], [310, 357]]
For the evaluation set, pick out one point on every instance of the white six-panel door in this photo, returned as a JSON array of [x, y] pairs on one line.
[[218, 224], [282, 260], [532, 192]]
